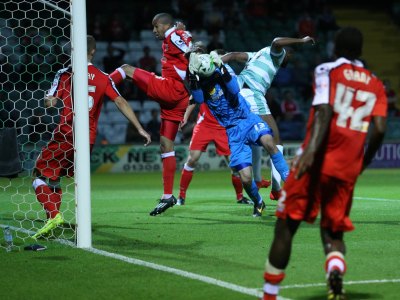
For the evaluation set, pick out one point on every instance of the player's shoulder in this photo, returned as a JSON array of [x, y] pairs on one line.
[[99, 73], [183, 33], [325, 67], [180, 38]]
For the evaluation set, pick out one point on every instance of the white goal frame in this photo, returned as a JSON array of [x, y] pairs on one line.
[[81, 124], [81, 121]]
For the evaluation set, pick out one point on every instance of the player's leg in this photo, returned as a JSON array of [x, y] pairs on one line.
[[237, 185], [50, 201], [251, 188], [279, 256], [241, 163], [259, 107], [220, 139], [53, 162], [121, 73], [168, 133], [335, 264], [44, 196], [201, 137], [275, 176], [335, 220], [277, 158], [187, 174]]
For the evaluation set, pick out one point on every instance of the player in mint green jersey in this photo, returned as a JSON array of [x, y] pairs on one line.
[[254, 81]]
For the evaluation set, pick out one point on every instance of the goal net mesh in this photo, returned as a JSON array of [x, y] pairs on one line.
[[34, 44]]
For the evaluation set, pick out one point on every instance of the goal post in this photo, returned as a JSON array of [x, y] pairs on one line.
[[81, 124], [38, 38]]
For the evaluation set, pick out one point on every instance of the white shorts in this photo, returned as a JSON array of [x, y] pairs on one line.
[[258, 103]]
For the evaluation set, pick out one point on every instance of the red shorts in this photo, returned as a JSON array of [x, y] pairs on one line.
[[203, 135], [302, 199], [56, 160], [170, 93], [169, 129]]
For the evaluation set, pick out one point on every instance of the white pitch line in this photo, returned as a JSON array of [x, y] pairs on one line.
[[351, 282], [142, 263], [377, 199]]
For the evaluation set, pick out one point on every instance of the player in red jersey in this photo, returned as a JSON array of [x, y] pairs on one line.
[[347, 98], [57, 157], [207, 130], [169, 91]]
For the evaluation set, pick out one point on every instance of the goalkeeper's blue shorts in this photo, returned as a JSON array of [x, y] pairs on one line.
[[241, 136]]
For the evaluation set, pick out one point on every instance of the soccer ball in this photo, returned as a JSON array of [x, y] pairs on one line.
[[202, 64]]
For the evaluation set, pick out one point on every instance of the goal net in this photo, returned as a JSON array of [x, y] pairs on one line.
[[35, 42]]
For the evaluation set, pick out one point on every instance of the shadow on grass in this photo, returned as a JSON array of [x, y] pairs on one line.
[[52, 258], [349, 296], [164, 251]]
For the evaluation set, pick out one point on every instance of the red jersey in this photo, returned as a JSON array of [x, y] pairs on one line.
[[173, 62], [99, 84], [355, 95], [206, 118]]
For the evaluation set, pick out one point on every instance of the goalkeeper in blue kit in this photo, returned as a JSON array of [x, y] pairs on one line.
[[212, 83]]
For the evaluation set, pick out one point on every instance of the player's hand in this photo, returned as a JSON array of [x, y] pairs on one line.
[[180, 26], [147, 136], [302, 163], [308, 39], [216, 58], [182, 123]]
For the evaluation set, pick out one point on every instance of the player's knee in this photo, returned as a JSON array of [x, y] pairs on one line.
[[246, 178], [37, 182], [191, 162], [268, 143]]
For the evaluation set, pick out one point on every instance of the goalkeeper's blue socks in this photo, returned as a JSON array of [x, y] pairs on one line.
[[280, 164], [253, 193]]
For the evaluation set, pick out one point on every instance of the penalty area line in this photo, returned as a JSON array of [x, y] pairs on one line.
[[142, 263]]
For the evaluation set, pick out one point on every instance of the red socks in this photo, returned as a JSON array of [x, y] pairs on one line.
[[117, 77], [50, 201], [237, 185], [335, 261], [186, 178], [168, 173]]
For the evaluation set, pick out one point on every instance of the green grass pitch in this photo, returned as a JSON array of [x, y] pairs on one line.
[[210, 236]]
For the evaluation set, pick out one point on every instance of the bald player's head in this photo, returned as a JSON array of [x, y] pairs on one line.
[[161, 23]]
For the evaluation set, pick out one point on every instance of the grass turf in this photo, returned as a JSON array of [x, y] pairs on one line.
[[211, 235]]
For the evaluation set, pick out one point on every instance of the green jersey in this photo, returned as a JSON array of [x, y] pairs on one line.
[[260, 69]]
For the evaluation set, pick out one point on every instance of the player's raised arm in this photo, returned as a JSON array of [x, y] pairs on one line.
[[127, 111], [279, 42], [241, 57]]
